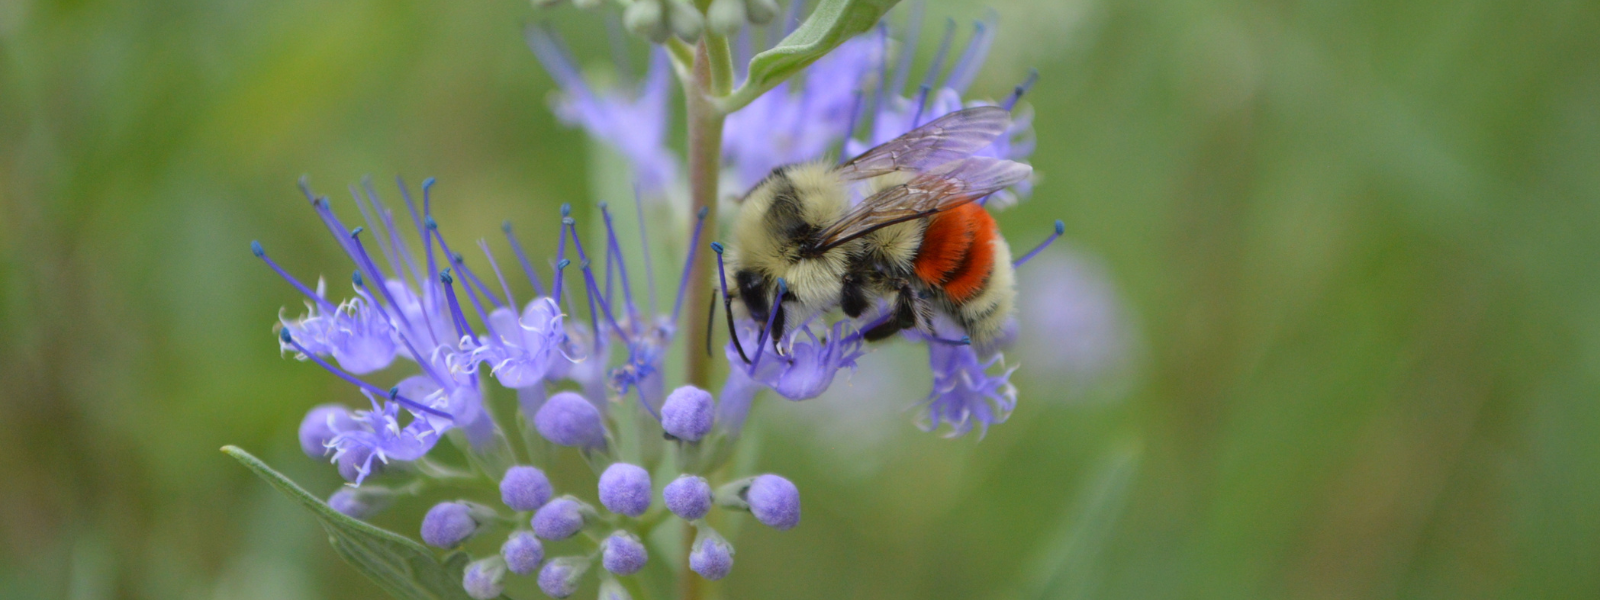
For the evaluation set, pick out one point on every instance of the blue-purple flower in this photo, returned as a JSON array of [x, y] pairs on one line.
[[965, 392], [521, 349]]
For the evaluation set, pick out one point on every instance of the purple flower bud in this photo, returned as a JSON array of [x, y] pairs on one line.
[[525, 488], [360, 503], [522, 552], [320, 425], [712, 556], [625, 489], [687, 413], [611, 589], [623, 553], [485, 579], [569, 420], [448, 524], [559, 577], [559, 519], [774, 501], [688, 496]]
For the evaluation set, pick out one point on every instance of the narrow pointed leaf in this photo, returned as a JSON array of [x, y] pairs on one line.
[[399, 565]]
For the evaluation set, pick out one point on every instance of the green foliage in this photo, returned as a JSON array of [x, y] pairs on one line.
[[400, 566], [830, 24]]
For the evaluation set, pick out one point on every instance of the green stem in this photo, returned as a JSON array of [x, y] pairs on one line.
[[705, 161], [721, 63], [712, 76]]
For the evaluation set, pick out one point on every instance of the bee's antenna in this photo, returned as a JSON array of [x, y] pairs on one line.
[[727, 305]]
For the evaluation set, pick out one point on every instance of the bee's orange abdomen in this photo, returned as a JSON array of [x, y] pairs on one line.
[[957, 251]]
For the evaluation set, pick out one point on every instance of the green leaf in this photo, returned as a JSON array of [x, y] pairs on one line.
[[402, 567], [830, 24]]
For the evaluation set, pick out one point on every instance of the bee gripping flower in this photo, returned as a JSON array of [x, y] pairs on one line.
[[625, 489], [623, 553], [525, 488], [522, 552], [448, 524], [559, 578], [485, 578], [687, 413], [688, 496], [568, 419]]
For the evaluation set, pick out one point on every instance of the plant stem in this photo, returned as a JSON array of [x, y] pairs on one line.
[[705, 159], [711, 76]]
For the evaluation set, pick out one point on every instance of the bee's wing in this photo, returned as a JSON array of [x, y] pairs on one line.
[[942, 188], [948, 138]]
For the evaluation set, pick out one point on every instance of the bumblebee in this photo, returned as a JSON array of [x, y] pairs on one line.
[[918, 243]]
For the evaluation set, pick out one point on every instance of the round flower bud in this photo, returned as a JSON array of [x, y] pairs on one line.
[[688, 496], [687, 413], [559, 577], [712, 556], [448, 524], [568, 420], [524, 488], [623, 553], [774, 501], [320, 425], [725, 17], [559, 519], [646, 18], [485, 579], [360, 503], [685, 20], [625, 489], [761, 11], [522, 552]]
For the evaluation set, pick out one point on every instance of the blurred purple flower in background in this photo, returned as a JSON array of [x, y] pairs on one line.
[[1077, 327], [632, 121]]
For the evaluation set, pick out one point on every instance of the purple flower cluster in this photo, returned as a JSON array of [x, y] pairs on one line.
[[594, 383], [420, 314]]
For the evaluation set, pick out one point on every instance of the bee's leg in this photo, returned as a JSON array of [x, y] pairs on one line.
[[905, 315], [777, 329], [853, 297]]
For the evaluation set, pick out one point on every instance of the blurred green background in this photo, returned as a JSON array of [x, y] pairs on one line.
[[1357, 243]]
